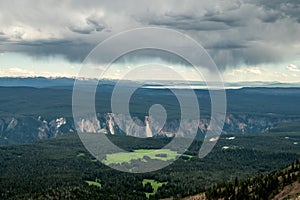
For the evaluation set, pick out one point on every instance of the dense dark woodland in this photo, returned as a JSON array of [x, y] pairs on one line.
[[59, 168], [279, 184]]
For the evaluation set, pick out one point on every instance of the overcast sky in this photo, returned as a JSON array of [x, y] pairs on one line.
[[249, 40]]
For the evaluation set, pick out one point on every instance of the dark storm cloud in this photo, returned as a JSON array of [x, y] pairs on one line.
[[150, 54], [76, 50], [236, 35], [271, 16], [2, 39], [191, 25], [246, 56], [227, 44], [228, 21], [93, 24], [81, 30], [231, 17], [287, 8], [211, 21], [234, 32]]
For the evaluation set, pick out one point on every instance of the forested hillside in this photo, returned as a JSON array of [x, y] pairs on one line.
[[282, 184], [61, 168]]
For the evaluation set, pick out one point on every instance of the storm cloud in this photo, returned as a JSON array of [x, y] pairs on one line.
[[235, 32]]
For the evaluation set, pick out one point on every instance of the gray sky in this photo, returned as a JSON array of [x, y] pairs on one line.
[[249, 40]]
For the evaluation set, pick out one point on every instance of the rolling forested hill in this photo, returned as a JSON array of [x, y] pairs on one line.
[[61, 168]]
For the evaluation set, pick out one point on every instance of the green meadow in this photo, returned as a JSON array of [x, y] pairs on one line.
[[94, 183], [141, 154], [155, 185]]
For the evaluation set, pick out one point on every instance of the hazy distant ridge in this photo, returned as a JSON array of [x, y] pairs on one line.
[[43, 82]]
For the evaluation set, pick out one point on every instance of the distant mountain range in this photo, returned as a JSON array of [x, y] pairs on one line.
[[43, 82], [38, 82], [28, 114]]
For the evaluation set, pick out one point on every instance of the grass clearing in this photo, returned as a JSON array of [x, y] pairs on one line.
[[155, 185], [94, 183], [80, 154], [141, 154]]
